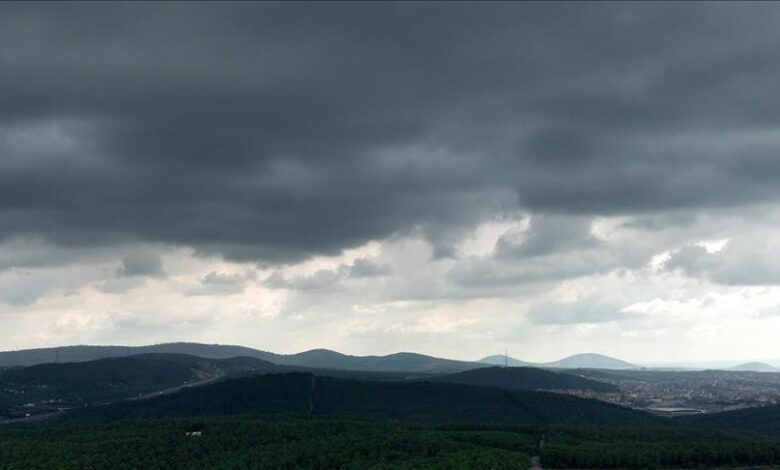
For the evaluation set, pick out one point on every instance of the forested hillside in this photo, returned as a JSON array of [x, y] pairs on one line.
[[763, 420], [417, 402], [63, 385], [524, 378]]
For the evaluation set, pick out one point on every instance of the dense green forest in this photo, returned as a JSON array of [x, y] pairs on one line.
[[271, 442], [763, 420], [286, 441], [76, 383], [411, 402], [591, 447]]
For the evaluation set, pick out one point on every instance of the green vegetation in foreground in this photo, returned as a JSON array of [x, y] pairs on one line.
[[269, 442], [287, 442], [589, 447]]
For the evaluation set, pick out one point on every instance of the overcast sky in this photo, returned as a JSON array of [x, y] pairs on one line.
[[451, 179]]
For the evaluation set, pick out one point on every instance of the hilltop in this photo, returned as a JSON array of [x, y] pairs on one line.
[[591, 361], [499, 360], [577, 361], [755, 367]]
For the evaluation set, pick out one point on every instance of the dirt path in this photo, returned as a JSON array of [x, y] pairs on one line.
[[536, 463], [171, 390]]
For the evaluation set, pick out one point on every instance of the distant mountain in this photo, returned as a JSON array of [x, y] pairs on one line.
[[326, 359], [524, 378], [316, 358], [226, 367], [590, 361], [755, 367], [409, 401], [500, 360], [577, 361], [29, 357]]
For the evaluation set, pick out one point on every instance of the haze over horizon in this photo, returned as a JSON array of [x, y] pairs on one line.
[[449, 179]]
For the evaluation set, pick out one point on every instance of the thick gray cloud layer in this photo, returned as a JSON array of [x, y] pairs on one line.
[[274, 132], [740, 263], [548, 235], [141, 263]]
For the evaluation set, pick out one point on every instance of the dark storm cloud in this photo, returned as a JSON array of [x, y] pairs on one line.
[[277, 131], [135, 268], [547, 235], [740, 262]]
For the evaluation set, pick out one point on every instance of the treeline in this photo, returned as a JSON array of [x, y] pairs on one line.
[[655, 448], [249, 443]]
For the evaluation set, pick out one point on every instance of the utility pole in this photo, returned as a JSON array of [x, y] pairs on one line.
[[506, 357]]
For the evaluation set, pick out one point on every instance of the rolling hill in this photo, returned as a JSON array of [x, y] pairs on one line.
[[499, 360], [524, 378], [29, 357], [55, 385], [316, 358], [762, 420], [577, 361], [411, 401], [95, 379], [398, 362], [755, 367], [590, 361]]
